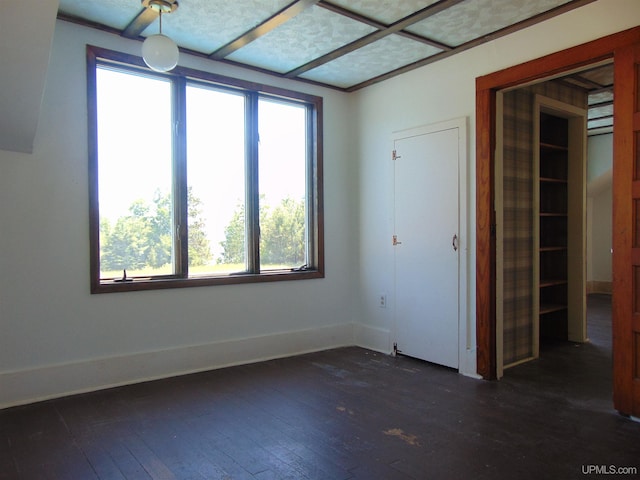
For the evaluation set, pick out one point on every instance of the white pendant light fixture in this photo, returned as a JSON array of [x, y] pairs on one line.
[[159, 52]]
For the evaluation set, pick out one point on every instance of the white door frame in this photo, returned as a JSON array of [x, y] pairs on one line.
[[466, 327]]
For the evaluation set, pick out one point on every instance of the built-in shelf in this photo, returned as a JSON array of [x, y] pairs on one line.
[[559, 229], [553, 220], [553, 146], [551, 308], [553, 283]]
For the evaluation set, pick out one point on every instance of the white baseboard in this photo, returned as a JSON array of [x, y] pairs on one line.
[[51, 381], [373, 338], [379, 340], [468, 363], [594, 286]]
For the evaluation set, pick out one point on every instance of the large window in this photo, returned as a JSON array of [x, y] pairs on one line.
[[198, 179]]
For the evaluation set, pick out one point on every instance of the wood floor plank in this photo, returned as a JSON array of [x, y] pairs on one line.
[[221, 431], [152, 464], [101, 462], [342, 414], [125, 460], [292, 443], [180, 451]]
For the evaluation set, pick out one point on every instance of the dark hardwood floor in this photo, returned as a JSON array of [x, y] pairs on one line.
[[342, 414]]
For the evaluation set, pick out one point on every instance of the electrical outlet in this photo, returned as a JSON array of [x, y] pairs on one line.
[[382, 300]]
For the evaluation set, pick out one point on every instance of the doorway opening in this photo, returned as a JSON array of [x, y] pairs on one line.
[[553, 210], [624, 48]]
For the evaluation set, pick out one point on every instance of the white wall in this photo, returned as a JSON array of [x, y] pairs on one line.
[[600, 159], [55, 337], [27, 31], [599, 212], [438, 92], [599, 253]]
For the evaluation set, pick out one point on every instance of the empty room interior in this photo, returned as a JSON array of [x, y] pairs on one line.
[[277, 239]]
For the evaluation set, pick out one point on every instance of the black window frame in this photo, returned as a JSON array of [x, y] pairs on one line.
[[180, 76]]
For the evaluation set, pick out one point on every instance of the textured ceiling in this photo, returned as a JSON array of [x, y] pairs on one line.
[[342, 44], [598, 82]]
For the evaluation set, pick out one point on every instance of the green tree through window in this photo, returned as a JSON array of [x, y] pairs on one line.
[[141, 241]]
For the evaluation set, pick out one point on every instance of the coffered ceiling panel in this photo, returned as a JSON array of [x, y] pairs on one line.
[[601, 97], [311, 34], [206, 25], [375, 59], [384, 11], [472, 19], [115, 13]]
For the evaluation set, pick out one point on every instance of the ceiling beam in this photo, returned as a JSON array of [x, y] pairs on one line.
[[380, 26], [601, 117], [595, 131], [590, 84], [601, 104], [604, 89], [265, 27], [145, 18], [372, 37]]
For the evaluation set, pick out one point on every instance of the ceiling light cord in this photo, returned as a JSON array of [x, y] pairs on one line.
[[159, 52]]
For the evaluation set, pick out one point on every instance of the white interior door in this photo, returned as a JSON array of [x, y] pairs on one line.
[[427, 245]]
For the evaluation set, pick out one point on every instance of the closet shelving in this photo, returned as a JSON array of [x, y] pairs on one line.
[[553, 222]]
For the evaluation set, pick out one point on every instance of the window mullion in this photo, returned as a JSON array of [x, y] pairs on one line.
[[310, 199], [180, 191], [252, 210]]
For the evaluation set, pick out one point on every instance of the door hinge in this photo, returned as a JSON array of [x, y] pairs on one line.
[[395, 348], [394, 241], [394, 155]]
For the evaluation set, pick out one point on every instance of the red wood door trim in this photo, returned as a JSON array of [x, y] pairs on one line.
[[626, 236], [486, 88], [485, 236]]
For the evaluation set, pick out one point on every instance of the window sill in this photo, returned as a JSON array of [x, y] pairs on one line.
[[111, 286]]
